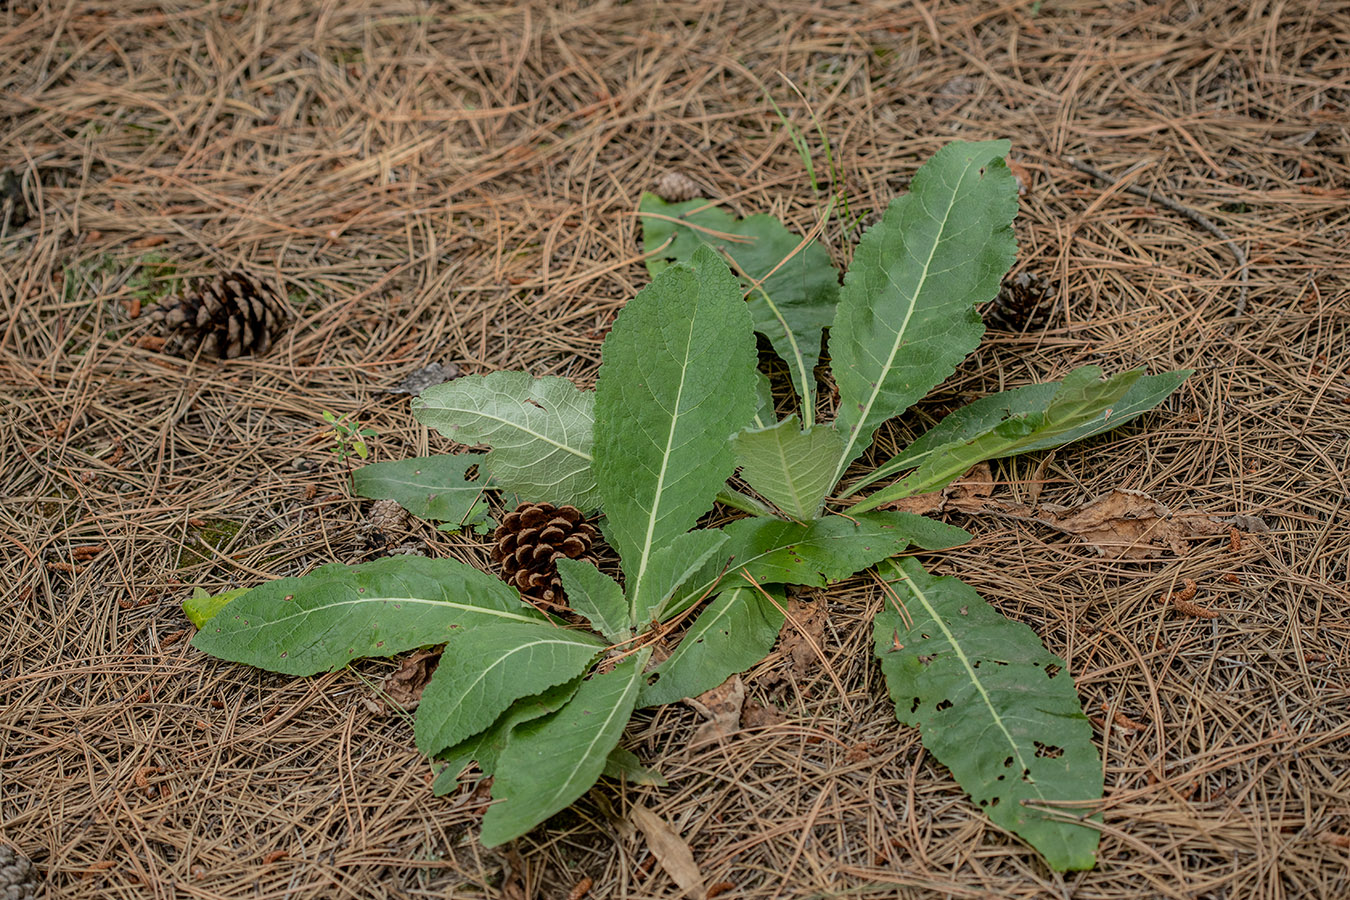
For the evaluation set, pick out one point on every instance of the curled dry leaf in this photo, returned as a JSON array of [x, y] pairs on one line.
[[802, 639], [405, 685], [757, 715], [968, 491], [722, 708], [670, 850]]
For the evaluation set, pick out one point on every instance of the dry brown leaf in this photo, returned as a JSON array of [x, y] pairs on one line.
[[405, 685], [806, 629], [670, 850], [722, 707], [969, 489], [756, 715]]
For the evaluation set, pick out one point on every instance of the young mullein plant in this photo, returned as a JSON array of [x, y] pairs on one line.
[[680, 406]]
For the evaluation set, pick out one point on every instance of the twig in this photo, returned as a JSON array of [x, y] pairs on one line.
[[1189, 213]]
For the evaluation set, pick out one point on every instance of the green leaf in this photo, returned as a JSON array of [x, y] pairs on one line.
[[733, 633], [791, 307], [907, 313], [790, 467], [682, 561], [202, 607], [676, 381], [765, 415], [539, 430], [596, 596], [815, 553], [994, 707], [322, 621], [430, 487], [550, 762], [624, 765], [486, 747], [483, 673], [1054, 414]]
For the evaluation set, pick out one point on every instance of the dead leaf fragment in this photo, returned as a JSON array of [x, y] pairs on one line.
[[802, 640], [405, 685], [722, 708], [670, 850], [756, 715]]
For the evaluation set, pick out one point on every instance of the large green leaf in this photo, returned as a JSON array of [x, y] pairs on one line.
[[322, 621], [486, 747], [549, 762], [679, 563], [772, 551], [596, 596], [539, 430], [985, 415], [483, 673], [436, 488], [906, 313], [791, 306], [996, 708], [790, 467], [676, 381], [734, 632]]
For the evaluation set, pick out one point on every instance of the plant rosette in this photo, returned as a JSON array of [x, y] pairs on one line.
[[679, 406]]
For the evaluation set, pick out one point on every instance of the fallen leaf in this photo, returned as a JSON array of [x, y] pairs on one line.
[[970, 488], [756, 715], [405, 685], [670, 850], [722, 708], [802, 639]]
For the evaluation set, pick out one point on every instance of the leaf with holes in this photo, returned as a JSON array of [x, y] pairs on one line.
[[994, 707], [436, 488], [539, 429]]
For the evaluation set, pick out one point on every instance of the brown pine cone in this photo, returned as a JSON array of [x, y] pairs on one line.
[[18, 880], [226, 317], [388, 518], [1024, 302], [530, 541], [676, 187]]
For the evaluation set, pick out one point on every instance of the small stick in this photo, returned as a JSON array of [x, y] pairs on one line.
[[1189, 213]]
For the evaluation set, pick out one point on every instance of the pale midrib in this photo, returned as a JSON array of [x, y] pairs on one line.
[[518, 427], [437, 603], [797, 358], [661, 481], [598, 734], [970, 671], [846, 457], [788, 481], [518, 649]]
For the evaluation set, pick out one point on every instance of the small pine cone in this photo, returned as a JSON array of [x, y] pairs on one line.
[[18, 880], [1023, 302], [388, 518], [677, 187], [532, 539], [226, 316]]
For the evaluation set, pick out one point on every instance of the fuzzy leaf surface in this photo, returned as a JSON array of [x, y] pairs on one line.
[[539, 429], [481, 674], [596, 596], [814, 553], [624, 765], [676, 381], [906, 314], [486, 746], [435, 488], [679, 563], [731, 635], [791, 307], [791, 467], [202, 607], [321, 621], [552, 761], [995, 707], [986, 414]]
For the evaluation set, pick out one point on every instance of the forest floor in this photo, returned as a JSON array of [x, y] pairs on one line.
[[457, 183]]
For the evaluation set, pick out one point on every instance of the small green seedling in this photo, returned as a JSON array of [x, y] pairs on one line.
[[680, 406], [348, 436]]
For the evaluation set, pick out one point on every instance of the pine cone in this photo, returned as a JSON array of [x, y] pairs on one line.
[[18, 880], [532, 539], [1023, 302], [226, 316], [676, 187], [388, 518]]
